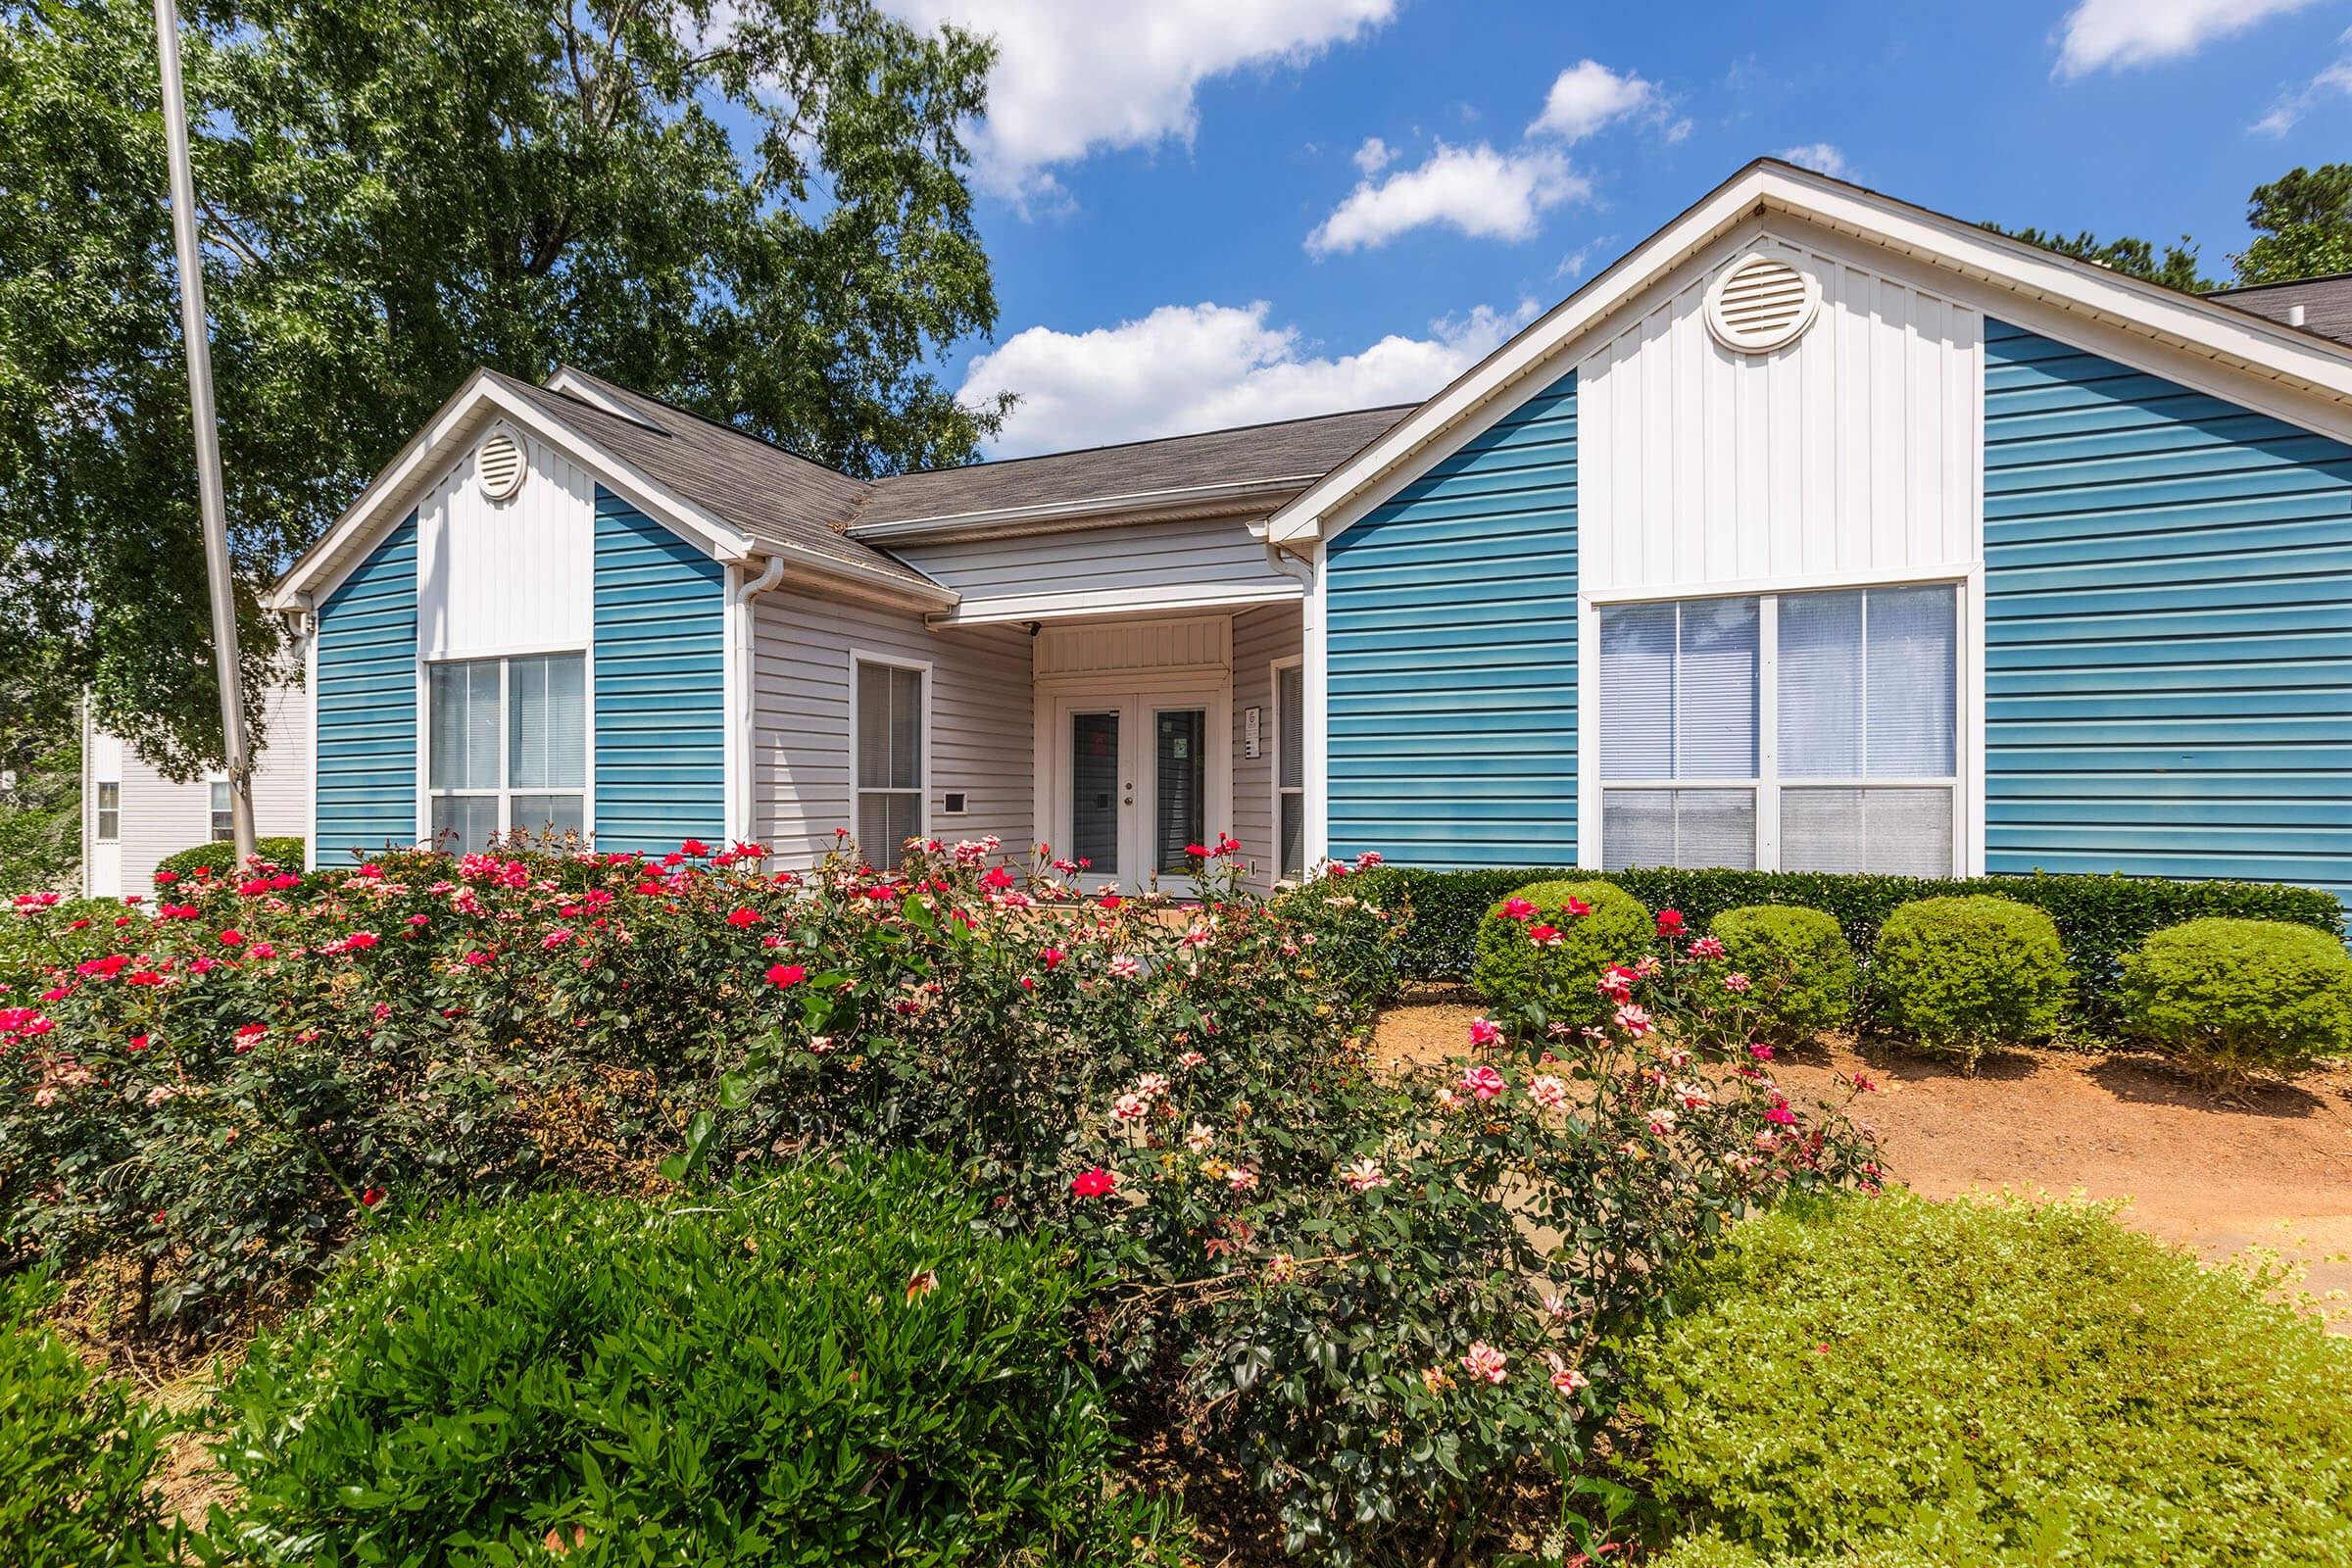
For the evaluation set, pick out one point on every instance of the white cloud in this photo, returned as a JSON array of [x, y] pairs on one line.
[[2111, 34], [1477, 190], [1186, 368], [2288, 111], [1588, 96], [1374, 156], [1075, 76], [1572, 266], [1819, 156]]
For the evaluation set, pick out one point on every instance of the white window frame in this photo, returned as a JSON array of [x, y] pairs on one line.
[[100, 833], [1284, 875], [505, 793], [1964, 783], [221, 809], [858, 792]]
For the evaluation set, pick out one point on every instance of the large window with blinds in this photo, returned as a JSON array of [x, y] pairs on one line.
[[506, 747], [1799, 732], [886, 735]]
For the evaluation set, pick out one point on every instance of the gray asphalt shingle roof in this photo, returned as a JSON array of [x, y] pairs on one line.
[[770, 494], [2327, 303], [1291, 449]]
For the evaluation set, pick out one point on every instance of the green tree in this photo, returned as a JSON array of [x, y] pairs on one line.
[[40, 771], [2175, 267], [2302, 225], [757, 208]]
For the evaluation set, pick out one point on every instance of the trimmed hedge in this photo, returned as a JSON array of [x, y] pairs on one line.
[[2099, 919], [223, 858], [1801, 968], [79, 1452], [2237, 998], [828, 1366], [1892, 1382]]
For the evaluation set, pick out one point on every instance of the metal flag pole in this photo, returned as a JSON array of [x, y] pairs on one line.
[[208, 433]]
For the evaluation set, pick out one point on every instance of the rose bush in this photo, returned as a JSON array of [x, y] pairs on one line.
[[232, 1088], [1384, 1297]]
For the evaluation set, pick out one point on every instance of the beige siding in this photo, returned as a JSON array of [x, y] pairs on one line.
[[1259, 637], [980, 721], [162, 817], [1141, 566]]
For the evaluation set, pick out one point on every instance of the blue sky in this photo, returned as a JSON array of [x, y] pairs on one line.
[[1211, 211]]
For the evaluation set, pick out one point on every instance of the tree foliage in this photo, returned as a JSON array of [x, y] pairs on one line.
[[2175, 267], [41, 770], [2302, 225], [755, 209]]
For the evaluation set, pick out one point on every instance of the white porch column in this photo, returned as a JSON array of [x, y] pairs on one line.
[[1316, 667]]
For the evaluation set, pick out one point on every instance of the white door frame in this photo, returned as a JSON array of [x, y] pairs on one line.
[[1136, 696]]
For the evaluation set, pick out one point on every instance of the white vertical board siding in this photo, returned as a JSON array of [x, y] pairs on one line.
[[1851, 452], [494, 575], [162, 817], [1149, 565], [1259, 637], [980, 721]]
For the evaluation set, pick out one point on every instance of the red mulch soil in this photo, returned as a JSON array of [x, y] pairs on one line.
[[2271, 1169]]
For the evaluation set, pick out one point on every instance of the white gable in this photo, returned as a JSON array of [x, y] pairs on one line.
[[501, 577], [1850, 451]]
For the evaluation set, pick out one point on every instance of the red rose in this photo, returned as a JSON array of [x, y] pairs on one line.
[[694, 847], [787, 974], [1095, 1183], [997, 879], [371, 1197], [743, 917], [1670, 922]]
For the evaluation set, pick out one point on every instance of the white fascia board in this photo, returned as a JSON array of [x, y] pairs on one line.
[[2276, 370], [1092, 512], [442, 440], [1094, 604]]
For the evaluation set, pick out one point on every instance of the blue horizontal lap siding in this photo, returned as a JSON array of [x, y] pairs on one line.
[[366, 705], [1452, 640], [660, 685], [2168, 627]]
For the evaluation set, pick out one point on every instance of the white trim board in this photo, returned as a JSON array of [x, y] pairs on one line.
[[2204, 344]]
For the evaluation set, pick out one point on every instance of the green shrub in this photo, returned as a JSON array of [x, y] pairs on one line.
[[2100, 918], [1800, 970], [1962, 977], [75, 1451], [1513, 971], [2238, 997], [831, 1367], [222, 859], [1893, 1381]]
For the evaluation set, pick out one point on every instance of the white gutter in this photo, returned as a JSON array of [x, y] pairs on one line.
[[1229, 490], [742, 701]]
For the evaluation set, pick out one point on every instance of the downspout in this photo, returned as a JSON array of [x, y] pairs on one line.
[[742, 589]]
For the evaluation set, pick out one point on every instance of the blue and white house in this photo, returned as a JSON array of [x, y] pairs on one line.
[[1820, 531]]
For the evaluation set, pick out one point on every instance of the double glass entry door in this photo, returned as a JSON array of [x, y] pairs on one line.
[[1136, 781]]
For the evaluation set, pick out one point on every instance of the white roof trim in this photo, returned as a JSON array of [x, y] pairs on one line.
[[2314, 374], [1225, 490], [576, 385], [410, 473]]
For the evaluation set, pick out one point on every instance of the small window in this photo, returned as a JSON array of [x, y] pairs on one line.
[[887, 729], [224, 821], [110, 812], [507, 748], [1289, 769]]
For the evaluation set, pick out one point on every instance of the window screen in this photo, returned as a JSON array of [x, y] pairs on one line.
[[1289, 765], [889, 807]]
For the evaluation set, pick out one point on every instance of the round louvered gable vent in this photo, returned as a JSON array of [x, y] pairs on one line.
[[1759, 303], [499, 463]]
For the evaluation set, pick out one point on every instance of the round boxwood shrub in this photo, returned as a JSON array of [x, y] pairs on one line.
[[2236, 998], [1512, 972], [1961, 976], [222, 859], [1890, 1380], [1799, 967], [830, 1366]]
